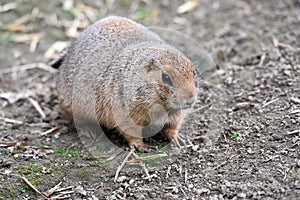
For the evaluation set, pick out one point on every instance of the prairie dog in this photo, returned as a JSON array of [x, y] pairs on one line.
[[121, 75]]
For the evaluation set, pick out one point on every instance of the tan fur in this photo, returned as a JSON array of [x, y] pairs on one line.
[[112, 75]]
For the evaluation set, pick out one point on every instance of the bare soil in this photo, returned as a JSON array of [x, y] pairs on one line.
[[244, 139]]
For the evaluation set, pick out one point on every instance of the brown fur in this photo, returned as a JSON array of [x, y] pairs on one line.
[[112, 75]]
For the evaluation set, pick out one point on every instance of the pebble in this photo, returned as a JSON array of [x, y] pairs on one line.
[[125, 185], [139, 196], [80, 190], [195, 147], [241, 195], [298, 163], [202, 190], [121, 179], [94, 197]]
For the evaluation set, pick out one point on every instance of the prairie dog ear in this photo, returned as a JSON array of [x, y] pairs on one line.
[[150, 65]]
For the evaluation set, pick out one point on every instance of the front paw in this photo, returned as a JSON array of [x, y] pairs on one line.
[[175, 138]]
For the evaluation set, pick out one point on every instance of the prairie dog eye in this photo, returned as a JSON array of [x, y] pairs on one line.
[[167, 79]]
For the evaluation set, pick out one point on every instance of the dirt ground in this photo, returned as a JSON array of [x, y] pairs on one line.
[[244, 134]]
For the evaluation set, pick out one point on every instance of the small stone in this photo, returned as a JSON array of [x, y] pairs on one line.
[[131, 181], [241, 105], [49, 151], [171, 196], [125, 185], [202, 190], [10, 149], [297, 184], [121, 179], [287, 72], [249, 150], [80, 190], [298, 163], [94, 197], [241, 195], [8, 171], [175, 190], [57, 135], [139, 196], [195, 147], [6, 162], [46, 171]]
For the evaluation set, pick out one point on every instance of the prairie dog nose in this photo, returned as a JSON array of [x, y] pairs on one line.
[[191, 99]]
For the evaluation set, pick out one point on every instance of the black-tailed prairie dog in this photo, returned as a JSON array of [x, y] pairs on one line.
[[121, 75]]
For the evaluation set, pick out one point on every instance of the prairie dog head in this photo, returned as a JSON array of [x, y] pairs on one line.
[[159, 74]]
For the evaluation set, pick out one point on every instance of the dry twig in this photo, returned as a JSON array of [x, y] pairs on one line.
[[49, 131], [270, 102], [276, 44], [143, 166], [8, 6], [116, 153], [61, 196], [122, 165], [201, 108], [214, 168], [12, 144], [12, 121], [33, 44], [138, 159], [293, 132], [185, 175], [262, 59], [168, 172], [271, 158], [37, 107], [187, 7], [24, 38], [32, 186], [52, 190], [64, 189], [295, 100], [39, 65], [295, 112]]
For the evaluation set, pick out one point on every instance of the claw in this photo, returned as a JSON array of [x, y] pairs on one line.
[[181, 138], [142, 148], [179, 141], [176, 138]]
